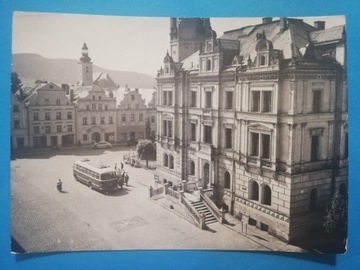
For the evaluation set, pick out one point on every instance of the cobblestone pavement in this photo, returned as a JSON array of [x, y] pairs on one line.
[[44, 220]]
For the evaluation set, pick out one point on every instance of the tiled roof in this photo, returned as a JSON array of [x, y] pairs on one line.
[[328, 35], [146, 94]]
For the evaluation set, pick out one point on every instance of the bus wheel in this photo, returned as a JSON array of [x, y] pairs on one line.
[[90, 185]]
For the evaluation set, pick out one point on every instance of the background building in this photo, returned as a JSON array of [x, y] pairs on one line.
[[259, 116], [51, 116]]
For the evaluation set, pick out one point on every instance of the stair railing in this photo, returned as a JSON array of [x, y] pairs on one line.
[[198, 217], [212, 207]]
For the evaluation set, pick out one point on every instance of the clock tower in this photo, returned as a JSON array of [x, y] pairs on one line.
[[86, 69], [186, 36]]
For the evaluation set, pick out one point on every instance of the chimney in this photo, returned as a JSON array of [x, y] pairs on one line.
[[267, 20], [319, 25], [137, 90], [283, 24]]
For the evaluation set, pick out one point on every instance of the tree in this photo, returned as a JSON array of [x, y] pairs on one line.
[[16, 84], [335, 220], [146, 149], [147, 129]]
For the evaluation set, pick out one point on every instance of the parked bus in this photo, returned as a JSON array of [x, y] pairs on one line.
[[95, 176]]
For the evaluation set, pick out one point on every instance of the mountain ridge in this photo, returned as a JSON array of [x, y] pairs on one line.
[[33, 66]]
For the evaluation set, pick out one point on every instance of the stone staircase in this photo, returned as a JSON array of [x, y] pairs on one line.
[[202, 208]]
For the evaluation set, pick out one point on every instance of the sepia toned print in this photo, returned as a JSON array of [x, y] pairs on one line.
[[232, 140]]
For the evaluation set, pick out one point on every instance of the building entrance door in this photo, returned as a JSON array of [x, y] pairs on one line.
[[54, 140], [20, 143], [95, 137]]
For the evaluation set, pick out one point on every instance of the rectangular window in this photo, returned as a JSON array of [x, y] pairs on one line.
[[132, 117], [58, 128], [208, 134], [136, 106], [255, 98], [129, 106], [164, 128], [57, 101], [193, 132], [208, 64], [93, 120], [36, 116], [169, 128], [141, 117], [193, 98], [88, 107], [16, 108], [170, 98], [315, 148], [254, 144], [266, 101], [93, 106], [69, 115], [152, 119], [70, 128], [208, 100], [48, 129], [317, 101], [99, 106], [36, 130], [164, 98], [132, 97], [47, 116], [228, 138], [84, 121], [110, 120], [265, 146], [123, 117], [58, 116], [106, 107], [102, 120], [16, 124], [229, 100], [85, 137]]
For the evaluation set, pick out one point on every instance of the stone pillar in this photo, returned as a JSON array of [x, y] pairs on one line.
[[200, 190], [222, 215], [202, 221], [183, 185], [150, 191]]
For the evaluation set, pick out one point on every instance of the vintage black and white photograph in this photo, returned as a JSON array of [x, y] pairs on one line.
[[159, 133]]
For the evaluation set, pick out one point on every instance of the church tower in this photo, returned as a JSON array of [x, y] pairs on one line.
[[86, 69], [186, 36]]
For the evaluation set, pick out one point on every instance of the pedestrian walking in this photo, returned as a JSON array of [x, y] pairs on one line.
[[126, 179], [115, 166], [122, 165]]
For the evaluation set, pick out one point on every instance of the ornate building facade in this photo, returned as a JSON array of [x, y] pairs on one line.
[[259, 116]]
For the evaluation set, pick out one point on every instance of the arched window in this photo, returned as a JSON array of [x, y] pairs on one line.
[[254, 191], [313, 198], [266, 195], [227, 180], [192, 167], [165, 160], [262, 60], [171, 162]]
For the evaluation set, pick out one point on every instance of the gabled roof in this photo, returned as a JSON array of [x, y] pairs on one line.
[[146, 94], [333, 34], [104, 80]]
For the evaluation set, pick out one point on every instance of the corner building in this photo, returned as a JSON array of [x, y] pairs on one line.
[[259, 116]]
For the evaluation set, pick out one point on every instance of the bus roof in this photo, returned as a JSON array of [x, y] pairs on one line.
[[96, 167]]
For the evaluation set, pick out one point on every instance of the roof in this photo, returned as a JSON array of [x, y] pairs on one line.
[[104, 80], [31, 93], [146, 94], [333, 34], [289, 40], [191, 62]]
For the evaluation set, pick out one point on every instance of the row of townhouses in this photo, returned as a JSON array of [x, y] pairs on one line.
[[257, 116], [48, 115]]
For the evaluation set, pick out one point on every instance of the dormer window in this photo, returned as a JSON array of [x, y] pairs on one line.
[[262, 60], [209, 46]]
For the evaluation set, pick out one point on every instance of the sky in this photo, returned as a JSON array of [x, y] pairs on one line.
[[117, 43]]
